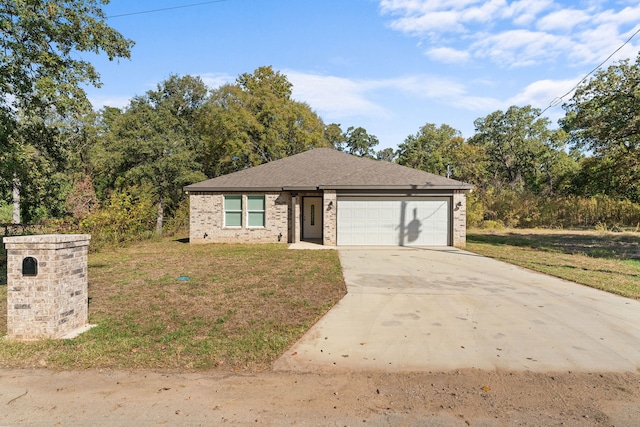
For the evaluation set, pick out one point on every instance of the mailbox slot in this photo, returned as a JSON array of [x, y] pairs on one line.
[[30, 266]]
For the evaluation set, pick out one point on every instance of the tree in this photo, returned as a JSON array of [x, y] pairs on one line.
[[153, 142], [604, 113], [442, 150], [39, 63], [359, 143], [42, 71], [334, 136], [516, 142], [431, 149], [36, 163], [255, 121], [603, 118], [387, 155]]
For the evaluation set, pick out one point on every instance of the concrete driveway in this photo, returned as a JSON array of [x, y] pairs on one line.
[[426, 309]]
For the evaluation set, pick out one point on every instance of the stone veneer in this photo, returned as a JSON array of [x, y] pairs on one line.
[[53, 303]]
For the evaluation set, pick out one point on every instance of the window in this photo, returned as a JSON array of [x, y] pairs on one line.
[[233, 211], [255, 211]]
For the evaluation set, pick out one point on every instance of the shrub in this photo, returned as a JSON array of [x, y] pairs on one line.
[[179, 222], [129, 215], [527, 210]]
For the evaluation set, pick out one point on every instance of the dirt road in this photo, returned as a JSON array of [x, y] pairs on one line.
[[457, 398]]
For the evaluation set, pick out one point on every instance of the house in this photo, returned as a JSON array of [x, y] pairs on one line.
[[329, 197]]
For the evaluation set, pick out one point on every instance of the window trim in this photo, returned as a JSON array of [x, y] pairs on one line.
[[263, 211], [225, 210]]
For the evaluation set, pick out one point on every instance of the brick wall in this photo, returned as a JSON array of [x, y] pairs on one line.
[[459, 218], [206, 223], [54, 302], [330, 223]]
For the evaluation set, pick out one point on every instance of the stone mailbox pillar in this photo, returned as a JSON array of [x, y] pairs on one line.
[[47, 291]]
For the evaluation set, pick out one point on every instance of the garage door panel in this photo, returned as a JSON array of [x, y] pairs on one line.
[[394, 221]]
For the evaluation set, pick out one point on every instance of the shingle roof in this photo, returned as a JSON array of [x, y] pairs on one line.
[[327, 169]]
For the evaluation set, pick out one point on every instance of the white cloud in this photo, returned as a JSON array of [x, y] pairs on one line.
[[525, 12], [563, 20], [436, 21], [427, 86], [215, 80], [335, 97], [339, 99], [519, 48], [516, 33], [99, 102], [483, 13], [544, 93], [628, 15], [448, 55]]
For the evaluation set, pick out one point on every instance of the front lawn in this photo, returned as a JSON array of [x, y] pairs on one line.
[[608, 261], [240, 308]]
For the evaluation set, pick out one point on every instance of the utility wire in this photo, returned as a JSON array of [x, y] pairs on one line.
[[165, 8], [559, 99]]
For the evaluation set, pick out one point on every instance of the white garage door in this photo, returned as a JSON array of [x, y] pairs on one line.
[[397, 221]]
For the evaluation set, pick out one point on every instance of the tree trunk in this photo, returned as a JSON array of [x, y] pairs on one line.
[[160, 216], [16, 200]]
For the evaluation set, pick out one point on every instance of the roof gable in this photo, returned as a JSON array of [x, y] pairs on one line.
[[325, 168]]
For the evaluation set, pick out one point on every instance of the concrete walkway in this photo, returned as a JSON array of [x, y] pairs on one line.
[[427, 309]]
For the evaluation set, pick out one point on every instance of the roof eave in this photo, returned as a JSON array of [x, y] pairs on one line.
[[192, 189], [462, 186], [397, 187]]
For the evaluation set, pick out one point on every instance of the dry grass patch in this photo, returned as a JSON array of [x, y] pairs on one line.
[[242, 306], [607, 261]]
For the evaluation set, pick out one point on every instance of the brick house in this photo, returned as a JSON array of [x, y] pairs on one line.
[[329, 197]]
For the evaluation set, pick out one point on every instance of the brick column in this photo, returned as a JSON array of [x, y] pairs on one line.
[[295, 223], [460, 218], [330, 223], [47, 288]]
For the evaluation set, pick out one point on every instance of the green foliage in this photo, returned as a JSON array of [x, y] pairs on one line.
[[603, 114], [614, 174], [359, 143], [602, 117], [178, 223], [527, 210], [129, 215], [521, 150], [42, 79], [516, 143], [356, 141], [6, 212], [387, 155], [255, 121], [39, 52], [475, 209], [154, 143], [334, 136], [442, 151], [37, 165]]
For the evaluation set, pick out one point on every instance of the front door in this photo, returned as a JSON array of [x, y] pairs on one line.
[[312, 217]]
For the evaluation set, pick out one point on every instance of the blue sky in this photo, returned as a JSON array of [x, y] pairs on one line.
[[389, 66]]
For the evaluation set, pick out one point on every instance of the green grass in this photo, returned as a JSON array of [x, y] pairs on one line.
[[607, 261], [243, 305], [239, 310]]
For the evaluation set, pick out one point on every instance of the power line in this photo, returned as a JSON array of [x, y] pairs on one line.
[[165, 8], [559, 99]]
